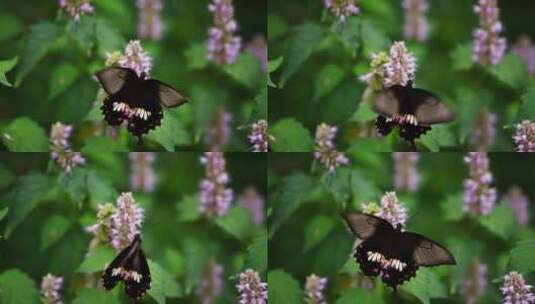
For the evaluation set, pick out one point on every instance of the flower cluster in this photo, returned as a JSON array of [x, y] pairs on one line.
[[252, 201], [485, 131], [519, 203], [211, 284], [526, 50], [50, 286], [406, 176], [375, 77], [214, 197], [524, 136], [126, 221], [142, 176], [251, 288], [515, 290], [258, 47], [400, 67], [475, 283], [150, 23], [393, 210], [416, 25], [76, 8], [342, 9], [479, 196], [61, 151], [325, 150], [218, 133], [223, 45], [314, 287], [102, 229], [259, 137], [489, 47], [134, 58]]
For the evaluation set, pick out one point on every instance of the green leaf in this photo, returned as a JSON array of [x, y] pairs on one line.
[[97, 260], [101, 191], [261, 106], [3, 213], [461, 57], [317, 230], [527, 109], [273, 65], [236, 223], [163, 284], [257, 254], [439, 136], [171, 133], [299, 47], [511, 71], [452, 207], [188, 209], [53, 230], [25, 135], [83, 32], [522, 256], [246, 70], [283, 288], [16, 287], [108, 37], [95, 295], [31, 189], [501, 221], [364, 296], [349, 33], [196, 56], [364, 113], [425, 286], [62, 78], [6, 66], [373, 39], [11, 26], [291, 136], [39, 42], [75, 184], [326, 80]]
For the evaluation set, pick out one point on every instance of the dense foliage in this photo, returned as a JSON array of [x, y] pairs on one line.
[[316, 62], [48, 59], [308, 236], [44, 214]]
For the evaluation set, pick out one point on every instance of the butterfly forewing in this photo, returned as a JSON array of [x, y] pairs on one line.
[[113, 79], [365, 225], [427, 252], [109, 280], [386, 103], [137, 288], [168, 96]]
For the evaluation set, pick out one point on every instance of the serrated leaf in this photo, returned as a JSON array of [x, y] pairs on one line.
[[163, 284], [246, 70], [25, 135], [3, 213], [196, 56], [62, 78], [39, 42], [95, 295], [108, 37], [425, 286], [101, 191], [31, 189], [511, 71], [439, 136], [97, 260], [283, 288], [75, 184], [317, 230], [83, 31], [273, 65], [236, 223], [326, 80], [364, 113], [364, 296], [373, 39], [349, 33], [501, 221], [188, 209], [522, 256], [53, 230], [171, 133], [291, 136], [299, 47], [527, 109], [11, 26], [461, 57], [261, 107], [452, 207], [6, 66], [257, 254], [16, 287]]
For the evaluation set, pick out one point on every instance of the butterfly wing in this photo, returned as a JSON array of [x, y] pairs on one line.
[[168, 95], [426, 252], [137, 288], [366, 225], [113, 79], [428, 108], [109, 279], [387, 102]]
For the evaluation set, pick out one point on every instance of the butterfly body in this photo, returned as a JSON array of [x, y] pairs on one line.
[[390, 253], [131, 267], [135, 100]]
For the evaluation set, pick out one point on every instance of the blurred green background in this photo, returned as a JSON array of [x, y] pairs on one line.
[[317, 62], [43, 230], [307, 235], [67, 50]]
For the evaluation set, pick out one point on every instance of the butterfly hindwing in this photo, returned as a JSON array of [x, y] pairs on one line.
[[113, 79], [137, 288], [168, 95], [426, 252], [428, 108], [109, 280]]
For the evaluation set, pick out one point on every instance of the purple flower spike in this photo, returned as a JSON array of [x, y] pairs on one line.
[[400, 67], [416, 25], [150, 23], [259, 136], [406, 176], [76, 8], [218, 134], [61, 151], [223, 45], [392, 210], [214, 197], [489, 47], [524, 137], [251, 200], [342, 9], [526, 50], [142, 176], [479, 196], [126, 222], [258, 47], [519, 203], [475, 283], [251, 288], [325, 151], [135, 58], [314, 288], [50, 286], [515, 290], [211, 284], [485, 131]]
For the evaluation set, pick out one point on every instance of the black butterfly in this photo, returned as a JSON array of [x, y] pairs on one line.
[[135, 100], [131, 267], [413, 110], [393, 254]]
